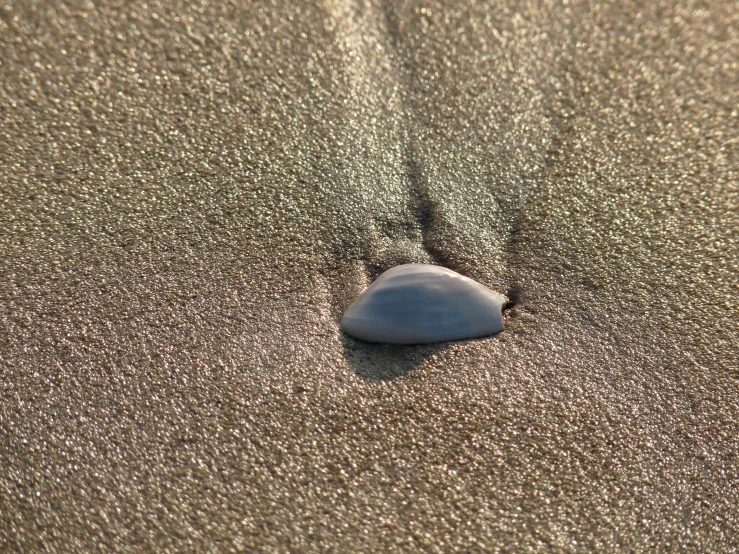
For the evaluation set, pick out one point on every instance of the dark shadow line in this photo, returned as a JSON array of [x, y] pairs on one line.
[[385, 362]]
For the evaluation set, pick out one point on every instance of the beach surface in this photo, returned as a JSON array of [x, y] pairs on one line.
[[192, 193]]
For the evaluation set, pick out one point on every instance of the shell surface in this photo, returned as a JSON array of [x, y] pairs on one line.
[[418, 303]]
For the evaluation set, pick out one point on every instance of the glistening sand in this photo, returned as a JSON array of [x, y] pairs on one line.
[[191, 193]]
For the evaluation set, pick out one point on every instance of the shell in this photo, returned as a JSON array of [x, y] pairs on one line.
[[418, 304]]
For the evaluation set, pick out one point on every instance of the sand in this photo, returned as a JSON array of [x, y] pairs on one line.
[[192, 193]]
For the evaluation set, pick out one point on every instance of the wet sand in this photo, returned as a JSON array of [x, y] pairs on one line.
[[192, 193]]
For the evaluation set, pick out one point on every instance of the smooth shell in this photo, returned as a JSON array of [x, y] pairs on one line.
[[418, 303]]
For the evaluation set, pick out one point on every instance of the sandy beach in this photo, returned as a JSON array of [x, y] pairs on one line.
[[192, 194]]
